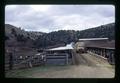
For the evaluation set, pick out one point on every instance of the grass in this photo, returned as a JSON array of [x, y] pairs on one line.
[[22, 73]]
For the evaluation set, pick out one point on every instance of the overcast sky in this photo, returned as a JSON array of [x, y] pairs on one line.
[[47, 18]]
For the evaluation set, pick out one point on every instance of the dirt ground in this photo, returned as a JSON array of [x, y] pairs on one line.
[[87, 66]]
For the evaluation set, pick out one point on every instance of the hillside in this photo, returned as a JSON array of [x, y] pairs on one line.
[[68, 36], [9, 29], [17, 36], [107, 30]]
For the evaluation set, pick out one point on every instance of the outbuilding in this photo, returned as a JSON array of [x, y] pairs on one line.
[[81, 45], [60, 55]]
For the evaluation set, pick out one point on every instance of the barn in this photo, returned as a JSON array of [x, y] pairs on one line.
[[100, 46], [88, 42]]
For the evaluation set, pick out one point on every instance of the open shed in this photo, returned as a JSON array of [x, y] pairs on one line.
[[86, 42], [60, 55]]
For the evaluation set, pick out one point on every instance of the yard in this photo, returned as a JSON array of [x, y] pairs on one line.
[[89, 67]]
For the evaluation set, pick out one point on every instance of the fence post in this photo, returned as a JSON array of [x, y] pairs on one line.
[[101, 52], [66, 58], [104, 53], [10, 61], [30, 64], [113, 60]]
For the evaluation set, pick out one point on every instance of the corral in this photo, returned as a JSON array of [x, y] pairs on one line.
[[30, 57], [97, 54]]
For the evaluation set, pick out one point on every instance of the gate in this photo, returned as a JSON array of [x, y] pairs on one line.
[[57, 59]]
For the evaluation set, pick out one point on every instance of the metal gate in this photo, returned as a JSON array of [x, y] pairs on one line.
[[56, 59]]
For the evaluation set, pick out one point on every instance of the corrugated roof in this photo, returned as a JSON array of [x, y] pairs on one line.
[[68, 46], [84, 39]]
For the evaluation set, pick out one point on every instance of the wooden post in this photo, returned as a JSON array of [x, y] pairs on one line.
[[113, 60], [67, 59], [10, 61], [30, 64], [104, 53], [95, 51], [98, 51], [109, 57], [101, 52], [73, 53]]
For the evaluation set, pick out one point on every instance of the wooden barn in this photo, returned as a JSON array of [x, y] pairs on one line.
[[81, 45], [100, 46]]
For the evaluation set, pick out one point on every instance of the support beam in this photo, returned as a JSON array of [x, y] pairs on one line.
[[67, 59], [101, 53], [104, 53]]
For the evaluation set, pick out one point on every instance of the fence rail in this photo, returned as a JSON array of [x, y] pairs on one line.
[[37, 60], [107, 53], [17, 63]]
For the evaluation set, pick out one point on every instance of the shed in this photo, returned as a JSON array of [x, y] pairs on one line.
[[88, 42], [60, 55]]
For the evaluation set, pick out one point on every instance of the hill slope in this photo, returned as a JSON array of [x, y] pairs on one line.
[[15, 35], [107, 30], [67, 36], [9, 29]]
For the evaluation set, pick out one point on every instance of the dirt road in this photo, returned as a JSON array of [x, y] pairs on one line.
[[88, 66]]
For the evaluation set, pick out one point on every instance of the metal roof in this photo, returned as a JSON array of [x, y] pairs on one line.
[[84, 39], [102, 47], [68, 46], [108, 44]]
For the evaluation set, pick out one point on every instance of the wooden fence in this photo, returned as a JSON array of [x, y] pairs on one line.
[[107, 53], [36, 60], [17, 63]]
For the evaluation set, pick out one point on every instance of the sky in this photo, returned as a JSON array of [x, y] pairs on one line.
[[48, 18]]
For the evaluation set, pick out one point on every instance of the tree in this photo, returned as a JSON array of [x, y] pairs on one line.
[[68, 36], [21, 38], [13, 32]]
